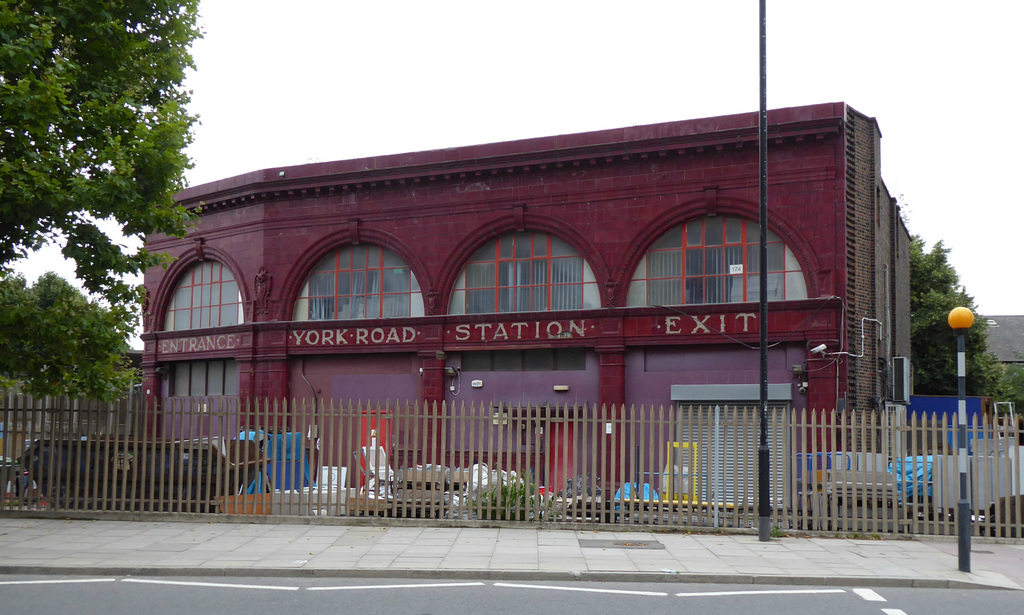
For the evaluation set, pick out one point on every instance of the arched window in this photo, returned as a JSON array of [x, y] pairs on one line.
[[714, 260], [359, 282], [524, 272], [206, 296]]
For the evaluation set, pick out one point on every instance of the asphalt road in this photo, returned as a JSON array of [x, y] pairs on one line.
[[36, 595]]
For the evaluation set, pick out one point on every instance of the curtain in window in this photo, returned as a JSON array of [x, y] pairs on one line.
[[522, 272], [360, 282], [206, 296], [718, 264]]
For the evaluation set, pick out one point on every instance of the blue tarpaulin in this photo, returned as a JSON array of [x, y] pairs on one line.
[[913, 476], [629, 490], [256, 486], [287, 465]]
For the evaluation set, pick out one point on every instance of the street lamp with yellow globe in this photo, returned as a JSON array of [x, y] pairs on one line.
[[960, 320]]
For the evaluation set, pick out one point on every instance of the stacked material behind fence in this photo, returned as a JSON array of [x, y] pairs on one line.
[[863, 472]]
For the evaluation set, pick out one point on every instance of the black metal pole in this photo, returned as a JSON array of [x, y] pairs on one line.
[[763, 508], [963, 506]]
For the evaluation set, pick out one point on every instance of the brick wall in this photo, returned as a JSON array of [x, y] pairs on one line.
[[878, 265], [610, 194], [862, 236]]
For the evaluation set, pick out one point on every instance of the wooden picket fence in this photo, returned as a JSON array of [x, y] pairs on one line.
[[679, 466]]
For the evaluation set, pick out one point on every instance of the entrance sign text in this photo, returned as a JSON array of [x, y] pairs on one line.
[[224, 341]]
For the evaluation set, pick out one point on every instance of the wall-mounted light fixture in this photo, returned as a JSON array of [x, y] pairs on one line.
[[450, 371], [561, 388]]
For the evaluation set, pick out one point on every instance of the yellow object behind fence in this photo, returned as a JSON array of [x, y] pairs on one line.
[[679, 479]]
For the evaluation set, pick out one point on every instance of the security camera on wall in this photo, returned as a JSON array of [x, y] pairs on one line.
[[819, 349]]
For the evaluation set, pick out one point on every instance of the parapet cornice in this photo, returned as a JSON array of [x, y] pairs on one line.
[[513, 157]]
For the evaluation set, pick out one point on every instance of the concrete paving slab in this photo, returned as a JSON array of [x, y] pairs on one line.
[[186, 546]]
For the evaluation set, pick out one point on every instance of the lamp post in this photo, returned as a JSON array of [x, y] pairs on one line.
[[961, 319], [763, 505]]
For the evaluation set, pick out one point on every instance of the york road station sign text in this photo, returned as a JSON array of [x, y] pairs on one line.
[[479, 332]]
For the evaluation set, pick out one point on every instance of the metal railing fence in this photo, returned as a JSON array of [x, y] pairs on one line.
[[677, 466]]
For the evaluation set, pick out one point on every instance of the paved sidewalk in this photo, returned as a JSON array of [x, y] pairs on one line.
[[188, 548]]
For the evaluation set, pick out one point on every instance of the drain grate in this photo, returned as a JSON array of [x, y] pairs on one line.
[[593, 543]]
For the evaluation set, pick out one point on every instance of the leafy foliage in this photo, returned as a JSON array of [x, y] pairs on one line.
[[57, 342], [515, 498], [935, 290], [1011, 386], [93, 128]]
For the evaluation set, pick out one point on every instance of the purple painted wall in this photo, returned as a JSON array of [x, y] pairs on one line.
[[651, 372], [357, 377], [528, 388]]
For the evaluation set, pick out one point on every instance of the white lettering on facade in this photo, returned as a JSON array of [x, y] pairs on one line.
[[483, 332], [700, 323], [746, 316], [226, 341], [361, 336], [511, 331]]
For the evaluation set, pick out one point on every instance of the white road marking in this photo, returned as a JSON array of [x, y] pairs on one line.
[[869, 595], [582, 589], [197, 584], [893, 612], [409, 586], [49, 582], [763, 592]]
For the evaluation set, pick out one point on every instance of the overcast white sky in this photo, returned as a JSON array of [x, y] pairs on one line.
[[309, 81]]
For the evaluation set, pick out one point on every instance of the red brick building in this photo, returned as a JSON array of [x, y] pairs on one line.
[[618, 266]]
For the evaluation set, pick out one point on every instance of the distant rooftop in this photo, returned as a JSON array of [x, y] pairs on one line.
[[1006, 338]]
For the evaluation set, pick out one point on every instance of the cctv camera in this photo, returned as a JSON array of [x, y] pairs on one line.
[[802, 388], [820, 348]]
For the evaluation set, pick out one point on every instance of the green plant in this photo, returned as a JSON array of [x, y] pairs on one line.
[[516, 498], [777, 532]]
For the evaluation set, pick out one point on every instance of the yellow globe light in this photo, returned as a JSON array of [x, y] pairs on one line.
[[961, 318]]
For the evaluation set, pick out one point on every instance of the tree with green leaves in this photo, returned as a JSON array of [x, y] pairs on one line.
[[93, 124], [1012, 385], [935, 290], [57, 342]]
